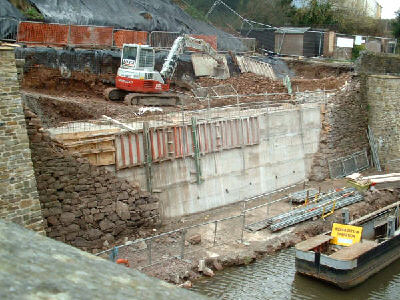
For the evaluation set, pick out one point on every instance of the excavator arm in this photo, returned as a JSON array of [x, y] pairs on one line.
[[180, 44]]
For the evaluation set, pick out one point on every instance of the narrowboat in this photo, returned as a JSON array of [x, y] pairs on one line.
[[339, 258]]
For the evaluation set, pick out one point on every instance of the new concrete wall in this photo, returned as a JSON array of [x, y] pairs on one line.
[[289, 138]]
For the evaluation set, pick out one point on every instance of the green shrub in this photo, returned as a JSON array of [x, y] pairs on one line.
[[33, 14], [357, 49]]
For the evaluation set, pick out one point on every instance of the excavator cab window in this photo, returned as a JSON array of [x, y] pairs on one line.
[[129, 56], [146, 58]]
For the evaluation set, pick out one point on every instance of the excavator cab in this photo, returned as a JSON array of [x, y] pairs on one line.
[[138, 57]]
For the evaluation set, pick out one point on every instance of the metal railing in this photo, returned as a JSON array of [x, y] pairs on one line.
[[176, 244], [343, 166], [262, 104]]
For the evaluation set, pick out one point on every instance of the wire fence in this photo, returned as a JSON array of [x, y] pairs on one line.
[[249, 34], [242, 106], [350, 164], [184, 243], [310, 43]]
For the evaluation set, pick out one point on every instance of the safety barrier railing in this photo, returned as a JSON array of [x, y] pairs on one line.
[[181, 244], [177, 244], [54, 34], [343, 166], [261, 104]]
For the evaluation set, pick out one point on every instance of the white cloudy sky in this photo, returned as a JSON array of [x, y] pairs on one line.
[[389, 8]]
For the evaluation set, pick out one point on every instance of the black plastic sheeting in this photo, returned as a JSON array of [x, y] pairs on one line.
[[9, 18], [313, 43], [146, 15], [95, 61], [265, 38]]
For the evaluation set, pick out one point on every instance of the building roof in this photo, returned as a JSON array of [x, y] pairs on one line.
[[293, 30]]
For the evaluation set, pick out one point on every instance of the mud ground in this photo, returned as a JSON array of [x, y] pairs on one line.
[[73, 96], [228, 249]]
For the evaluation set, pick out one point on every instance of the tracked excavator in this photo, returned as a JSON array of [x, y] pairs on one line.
[[138, 83]]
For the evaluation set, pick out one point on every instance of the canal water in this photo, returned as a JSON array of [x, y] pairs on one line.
[[274, 277]]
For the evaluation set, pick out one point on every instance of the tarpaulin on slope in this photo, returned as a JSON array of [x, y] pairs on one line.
[[146, 15], [9, 18]]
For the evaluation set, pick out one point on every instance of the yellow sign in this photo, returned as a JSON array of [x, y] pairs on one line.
[[345, 235]]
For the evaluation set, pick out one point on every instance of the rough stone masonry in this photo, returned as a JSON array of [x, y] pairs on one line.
[[84, 205], [19, 200]]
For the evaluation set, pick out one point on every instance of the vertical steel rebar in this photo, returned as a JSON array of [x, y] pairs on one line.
[[149, 258], [215, 231], [183, 238], [243, 226]]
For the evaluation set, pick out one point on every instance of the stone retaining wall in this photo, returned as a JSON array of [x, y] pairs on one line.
[[383, 95], [19, 199], [378, 63], [344, 124], [84, 205]]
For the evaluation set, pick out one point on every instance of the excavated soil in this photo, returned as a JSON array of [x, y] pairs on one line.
[[249, 83], [51, 82], [79, 95], [313, 70]]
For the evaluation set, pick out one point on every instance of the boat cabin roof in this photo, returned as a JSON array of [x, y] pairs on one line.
[[354, 251], [313, 242]]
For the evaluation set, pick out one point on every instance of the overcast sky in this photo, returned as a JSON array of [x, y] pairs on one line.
[[389, 8]]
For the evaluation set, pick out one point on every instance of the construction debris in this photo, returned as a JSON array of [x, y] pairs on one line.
[[386, 181], [247, 64]]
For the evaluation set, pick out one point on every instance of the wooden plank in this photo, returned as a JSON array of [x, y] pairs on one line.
[[313, 242], [353, 251], [85, 134]]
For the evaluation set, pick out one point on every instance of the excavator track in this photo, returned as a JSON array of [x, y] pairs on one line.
[[114, 94], [164, 99]]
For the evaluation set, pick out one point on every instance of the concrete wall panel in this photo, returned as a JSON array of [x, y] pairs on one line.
[[288, 139]]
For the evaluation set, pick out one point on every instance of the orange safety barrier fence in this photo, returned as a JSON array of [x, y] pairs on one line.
[[129, 37], [42, 33], [77, 35], [91, 36]]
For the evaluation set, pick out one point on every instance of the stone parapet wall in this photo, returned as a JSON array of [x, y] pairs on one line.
[[378, 63], [19, 199], [344, 124], [84, 205], [383, 94]]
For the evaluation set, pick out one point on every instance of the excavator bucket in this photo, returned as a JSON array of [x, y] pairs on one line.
[[204, 65], [221, 71]]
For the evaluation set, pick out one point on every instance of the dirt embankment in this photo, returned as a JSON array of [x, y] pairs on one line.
[[314, 70], [73, 83]]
